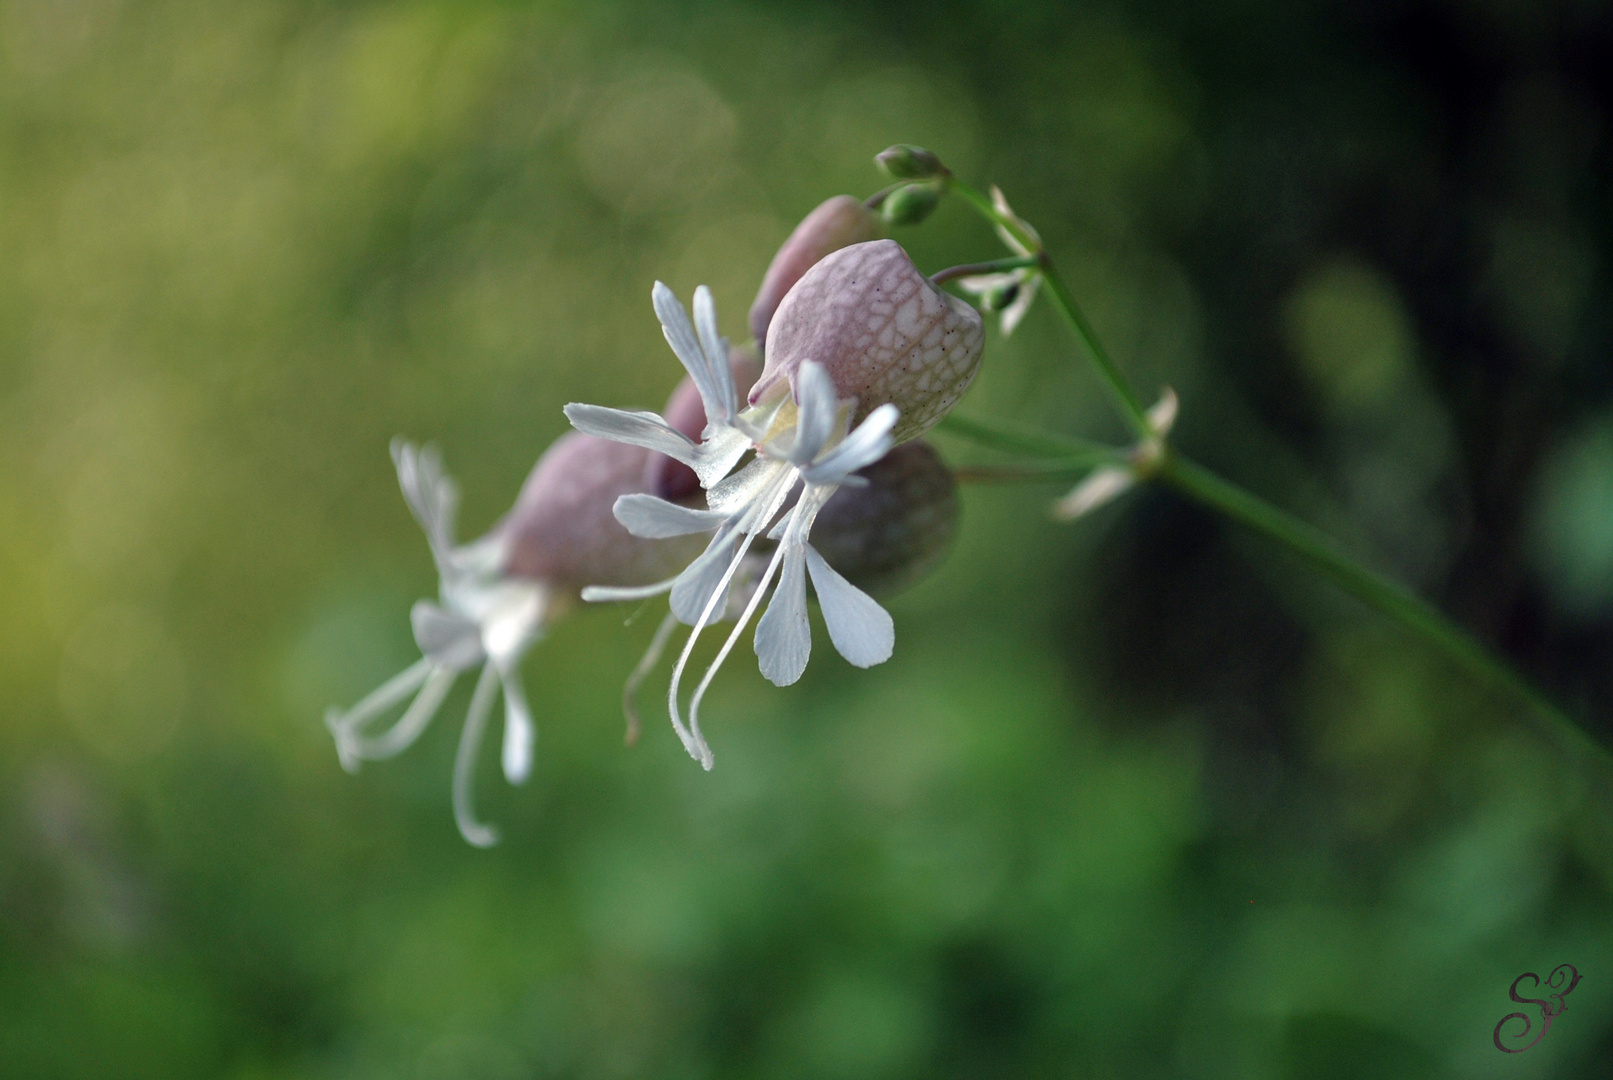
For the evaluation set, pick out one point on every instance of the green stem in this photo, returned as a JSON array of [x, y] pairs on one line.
[[1322, 554], [1130, 406], [1019, 439]]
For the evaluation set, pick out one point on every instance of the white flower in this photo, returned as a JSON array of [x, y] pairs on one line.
[[1023, 282], [486, 618], [1108, 482], [801, 442]]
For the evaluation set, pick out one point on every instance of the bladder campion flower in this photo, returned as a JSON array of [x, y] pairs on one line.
[[498, 595], [1012, 291], [858, 339]]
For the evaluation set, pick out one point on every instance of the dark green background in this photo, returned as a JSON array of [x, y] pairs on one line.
[[1136, 797]]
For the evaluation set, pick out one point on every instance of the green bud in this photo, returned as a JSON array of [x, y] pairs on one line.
[[907, 162], [911, 204]]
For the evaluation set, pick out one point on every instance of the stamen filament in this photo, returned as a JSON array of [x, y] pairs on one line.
[[727, 646], [652, 656], [380, 699], [470, 740]]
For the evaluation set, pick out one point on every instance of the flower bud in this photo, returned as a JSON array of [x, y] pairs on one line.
[[673, 480], [836, 223], [886, 536], [907, 162], [562, 531], [910, 205], [882, 331]]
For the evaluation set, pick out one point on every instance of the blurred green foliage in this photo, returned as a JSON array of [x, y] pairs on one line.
[[1133, 799]]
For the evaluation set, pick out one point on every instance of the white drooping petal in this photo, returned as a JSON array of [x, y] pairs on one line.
[[352, 746], [520, 733], [714, 381], [693, 589], [719, 453], [430, 493], [1000, 203], [644, 429], [784, 634], [653, 518], [1015, 311], [1101, 486], [470, 741], [864, 446], [815, 394], [604, 594], [447, 639], [861, 630]]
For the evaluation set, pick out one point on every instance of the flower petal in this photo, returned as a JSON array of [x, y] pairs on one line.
[[718, 455], [470, 741], [1102, 485], [733, 495], [861, 448], [520, 733], [431, 494], [784, 635], [605, 594], [681, 336], [449, 641], [815, 395], [715, 346], [1022, 303], [644, 429], [693, 588], [861, 630], [652, 518]]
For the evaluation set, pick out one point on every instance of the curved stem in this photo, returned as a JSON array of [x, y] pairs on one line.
[[995, 266], [1130, 405], [1322, 554]]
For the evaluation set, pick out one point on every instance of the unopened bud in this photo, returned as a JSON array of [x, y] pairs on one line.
[[910, 205], [835, 224], [907, 162], [562, 529], [887, 535], [883, 332]]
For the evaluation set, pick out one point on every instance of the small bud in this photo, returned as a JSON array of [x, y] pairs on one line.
[[883, 332], [835, 224], [562, 529], [907, 162], [886, 536], [910, 205], [673, 480]]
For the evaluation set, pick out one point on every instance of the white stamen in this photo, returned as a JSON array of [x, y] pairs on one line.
[[728, 645], [351, 747], [470, 740], [652, 656]]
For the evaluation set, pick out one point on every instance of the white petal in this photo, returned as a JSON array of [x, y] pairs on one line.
[[604, 594], [681, 336], [431, 494], [644, 429], [1101, 486], [1022, 303], [519, 731], [693, 588], [742, 489], [861, 448], [715, 346], [719, 453], [861, 630], [784, 634], [449, 641], [981, 284], [815, 393], [470, 741], [652, 518], [352, 747]]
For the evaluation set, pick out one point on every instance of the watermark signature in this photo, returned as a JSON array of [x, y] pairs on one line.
[[1551, 1006]]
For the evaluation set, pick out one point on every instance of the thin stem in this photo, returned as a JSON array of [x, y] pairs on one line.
[[1018, 438], [1378, 592], [996, 266], [1130, 405]]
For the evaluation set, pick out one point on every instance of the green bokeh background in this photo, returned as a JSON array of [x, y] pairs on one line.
[[1135, 797]]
